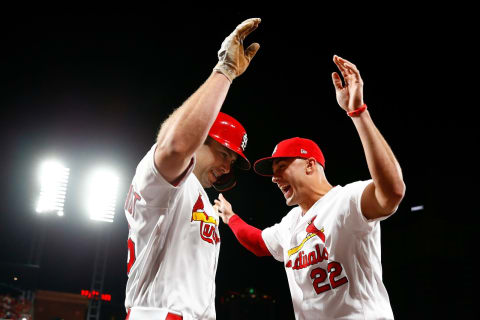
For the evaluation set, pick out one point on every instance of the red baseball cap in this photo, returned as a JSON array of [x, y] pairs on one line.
[[289, 148]]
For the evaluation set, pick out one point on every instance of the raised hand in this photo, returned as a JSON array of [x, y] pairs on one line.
[[233, 59], [349, 95]]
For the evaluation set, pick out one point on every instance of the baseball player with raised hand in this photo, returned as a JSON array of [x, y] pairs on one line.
[[174, 242], [330, 242]]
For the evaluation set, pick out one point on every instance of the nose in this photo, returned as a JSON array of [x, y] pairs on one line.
[[226, 166], [275, 179]]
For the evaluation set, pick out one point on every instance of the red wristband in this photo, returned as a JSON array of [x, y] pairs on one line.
[[357, 112]]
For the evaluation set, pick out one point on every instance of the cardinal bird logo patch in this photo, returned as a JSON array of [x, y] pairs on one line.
[[312, 229], [302, 259], [208, 224]]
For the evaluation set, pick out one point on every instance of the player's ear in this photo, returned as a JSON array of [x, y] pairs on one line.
[[310, 165]]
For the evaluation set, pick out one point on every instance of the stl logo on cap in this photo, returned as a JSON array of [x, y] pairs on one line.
[[303, 151], [244, 142]]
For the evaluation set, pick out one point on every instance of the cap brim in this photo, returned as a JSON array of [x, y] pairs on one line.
[[263, 166], [242, 161]]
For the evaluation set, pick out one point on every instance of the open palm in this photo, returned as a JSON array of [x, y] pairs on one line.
[[350, 94]]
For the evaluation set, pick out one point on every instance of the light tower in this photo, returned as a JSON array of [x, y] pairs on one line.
[[101, 199], [53, 179], [53, 187]]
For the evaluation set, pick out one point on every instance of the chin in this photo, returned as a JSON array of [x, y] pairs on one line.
[[290, 202], [206, 183]]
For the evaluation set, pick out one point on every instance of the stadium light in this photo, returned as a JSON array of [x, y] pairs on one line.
[[417, 208], [102, 195], [53, 182]]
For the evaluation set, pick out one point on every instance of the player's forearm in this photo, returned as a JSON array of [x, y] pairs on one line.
[[382, 164], [248, 236], [187, 129]]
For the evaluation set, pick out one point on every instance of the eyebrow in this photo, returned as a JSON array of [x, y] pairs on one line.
[[231, 153], [234, 155], [276, 161], [275, 164]]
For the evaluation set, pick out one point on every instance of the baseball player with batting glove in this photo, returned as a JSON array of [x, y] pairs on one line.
[[330, 242], [173, 240]]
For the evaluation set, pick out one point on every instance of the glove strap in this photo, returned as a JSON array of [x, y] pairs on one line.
[[221, 69], [357, 112]]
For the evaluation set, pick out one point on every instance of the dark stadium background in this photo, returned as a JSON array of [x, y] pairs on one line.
[[94, 89]]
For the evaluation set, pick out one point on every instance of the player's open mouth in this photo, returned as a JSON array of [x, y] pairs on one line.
[[286, 190], [216, 175]]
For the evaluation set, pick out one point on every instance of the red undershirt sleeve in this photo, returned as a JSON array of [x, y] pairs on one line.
[[248, 236]]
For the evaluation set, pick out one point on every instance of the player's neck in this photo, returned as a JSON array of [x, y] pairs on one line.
[[315, 193]]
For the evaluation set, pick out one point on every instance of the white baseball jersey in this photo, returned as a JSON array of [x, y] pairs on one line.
[[332, 258], [173, 244]]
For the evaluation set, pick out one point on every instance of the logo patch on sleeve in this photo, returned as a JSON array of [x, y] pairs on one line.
[[208, 224]]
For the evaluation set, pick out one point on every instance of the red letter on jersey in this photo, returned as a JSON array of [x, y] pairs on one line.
[[131, 254]]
